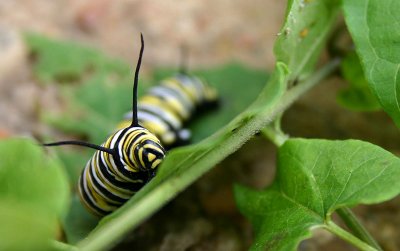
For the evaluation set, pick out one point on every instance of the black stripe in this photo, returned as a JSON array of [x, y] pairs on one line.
[[97, 210], [175, 131], [146, 151], [124, 185], [133, 143], [131, 175], [178, 95], [106, 171], [104, 192], [187, 80], [173, 92], [92, 192], [136, 154], [159, 156], [185, 90], [117, 160], [170, 126]]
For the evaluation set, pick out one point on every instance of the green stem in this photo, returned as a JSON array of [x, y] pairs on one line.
[[61, 246], [294, 93], [275, 136], [344, 235], [356, 227], [274, 133]]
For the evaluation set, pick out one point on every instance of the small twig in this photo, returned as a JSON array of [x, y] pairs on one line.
[[343, 234], [356, 227]]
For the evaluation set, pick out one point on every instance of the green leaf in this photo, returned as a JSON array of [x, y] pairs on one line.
[[374, 27], [94, 108], [62, 61], [33, 195], [358, 95], [79, 222], [315, 177], [304, 34], [74, 160]]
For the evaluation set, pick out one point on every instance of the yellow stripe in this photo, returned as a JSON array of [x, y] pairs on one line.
[[171, 104], [175, 83], [117, 191]]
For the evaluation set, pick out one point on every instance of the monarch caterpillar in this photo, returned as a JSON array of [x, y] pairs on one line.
[[166, 107], [130, 156]]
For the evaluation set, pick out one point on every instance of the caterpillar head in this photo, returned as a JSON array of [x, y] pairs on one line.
[[139, 149]]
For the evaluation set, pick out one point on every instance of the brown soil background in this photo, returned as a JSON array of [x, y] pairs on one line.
[[204, 217]]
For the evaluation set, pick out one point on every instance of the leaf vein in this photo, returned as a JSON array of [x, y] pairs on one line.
[[366, 184]]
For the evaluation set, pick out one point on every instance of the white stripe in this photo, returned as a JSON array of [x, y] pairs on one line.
[[190, 82], [111, 159], [164, 114], [121, 195], [169, 92], [144, 116], [115, 138], [86, 191]]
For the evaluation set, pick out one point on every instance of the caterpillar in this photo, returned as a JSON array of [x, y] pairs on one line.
[[167, 107], [129, 157]]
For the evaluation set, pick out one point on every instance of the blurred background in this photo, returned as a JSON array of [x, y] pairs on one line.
[[215, 33]]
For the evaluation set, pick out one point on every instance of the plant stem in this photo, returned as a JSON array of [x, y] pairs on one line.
[[356, 227], [61, 246], [294, 93], [274, 133], [341, 233], [275, 136]]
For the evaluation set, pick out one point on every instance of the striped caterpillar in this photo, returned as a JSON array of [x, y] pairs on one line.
[[129, 157]]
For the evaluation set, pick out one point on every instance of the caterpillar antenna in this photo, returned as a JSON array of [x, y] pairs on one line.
[[80, 143], [135, 121], [183, 60]]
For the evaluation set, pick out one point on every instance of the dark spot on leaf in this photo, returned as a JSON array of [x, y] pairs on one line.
[[275, 240], [33, 56], [66, 77], [385, 163], [303, 33]]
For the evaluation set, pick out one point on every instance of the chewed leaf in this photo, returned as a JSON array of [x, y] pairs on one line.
[[374, 27], [314, 178], [33, 195]]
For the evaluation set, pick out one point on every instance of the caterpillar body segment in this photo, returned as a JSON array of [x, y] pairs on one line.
[[167, 107]]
